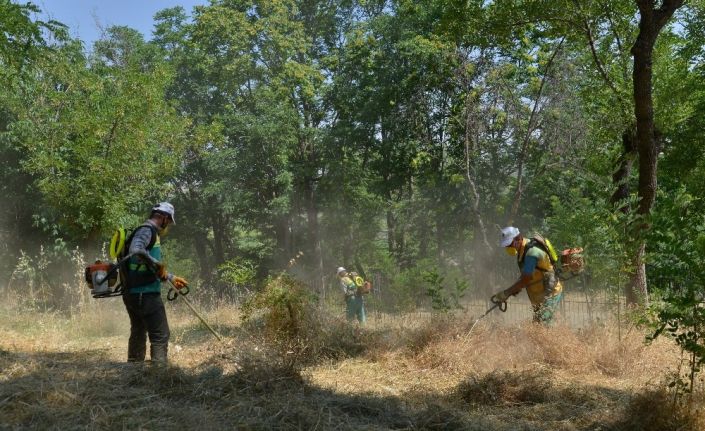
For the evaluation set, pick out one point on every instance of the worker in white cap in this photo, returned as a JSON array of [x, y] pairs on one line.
[[354, 303], [143, 282], [538, 274]]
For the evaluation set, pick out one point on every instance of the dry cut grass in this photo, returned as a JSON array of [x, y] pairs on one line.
[[68, 372]]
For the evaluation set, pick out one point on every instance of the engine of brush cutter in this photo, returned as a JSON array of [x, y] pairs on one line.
[[102, 278], [572, 260]]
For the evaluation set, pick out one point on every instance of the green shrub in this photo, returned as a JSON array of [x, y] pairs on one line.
[[677, 274], [283, 304], [444, 295], [287, 315], [239, 275]]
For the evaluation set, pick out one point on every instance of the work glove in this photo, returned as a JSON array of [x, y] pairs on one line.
[[161, 271], [179, 282], [500, 297]]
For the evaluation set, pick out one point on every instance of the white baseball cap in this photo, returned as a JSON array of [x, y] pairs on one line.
[[165, 208], [508, 235], [339, 270]]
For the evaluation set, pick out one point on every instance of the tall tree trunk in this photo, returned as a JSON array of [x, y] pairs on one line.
[[621, 177], [651, 22], [391, 231], [200, 242], [424, 238], [480, 232], [314, 233], [349, 245], [482, 250], [621, 180], [218, 239], [283, 238], [440, 240]]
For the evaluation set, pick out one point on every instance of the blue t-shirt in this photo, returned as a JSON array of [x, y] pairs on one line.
[[530, 263], [531, 259]]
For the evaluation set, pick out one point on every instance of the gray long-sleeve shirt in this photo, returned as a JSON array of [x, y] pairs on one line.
[[141, 239]]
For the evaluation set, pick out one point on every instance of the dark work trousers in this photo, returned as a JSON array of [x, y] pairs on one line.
[[147, 316]]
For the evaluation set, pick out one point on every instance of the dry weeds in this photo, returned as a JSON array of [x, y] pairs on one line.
[[67, 372]]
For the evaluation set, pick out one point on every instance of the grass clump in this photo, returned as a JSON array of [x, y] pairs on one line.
[[286, 314], [656, 409], [506, 388]]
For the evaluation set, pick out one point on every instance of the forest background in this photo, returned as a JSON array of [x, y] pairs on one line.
[[395, 136]]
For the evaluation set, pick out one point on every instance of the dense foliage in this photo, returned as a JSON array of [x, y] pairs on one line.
[[390, 135]]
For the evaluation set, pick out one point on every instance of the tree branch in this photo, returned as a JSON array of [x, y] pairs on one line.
[[665, 12], [593, 51], [529, 130]]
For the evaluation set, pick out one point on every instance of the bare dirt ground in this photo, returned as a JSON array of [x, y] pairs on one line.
[[68, 372]]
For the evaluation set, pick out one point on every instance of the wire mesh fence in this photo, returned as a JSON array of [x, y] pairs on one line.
[[576, 310]]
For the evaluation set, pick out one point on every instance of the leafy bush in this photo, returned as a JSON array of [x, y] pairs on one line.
[[283, 304], [677, 271], [51, 279], [423, 283], [582, 221], [286, 314], [239, 274]]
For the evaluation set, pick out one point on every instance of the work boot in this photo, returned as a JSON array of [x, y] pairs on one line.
[[158, 353], [136, 350]]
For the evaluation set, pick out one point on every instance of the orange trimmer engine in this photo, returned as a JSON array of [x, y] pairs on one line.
[[572, 260], [102, 279]]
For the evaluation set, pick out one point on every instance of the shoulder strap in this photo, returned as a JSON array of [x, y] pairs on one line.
[[532, 243], [537, 241], [546, 246], [152, 241]]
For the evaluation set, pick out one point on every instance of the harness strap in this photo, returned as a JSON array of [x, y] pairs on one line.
[[533, 243], [138, 274]]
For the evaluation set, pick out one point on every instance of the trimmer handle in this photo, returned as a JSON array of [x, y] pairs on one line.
[[173, 292]]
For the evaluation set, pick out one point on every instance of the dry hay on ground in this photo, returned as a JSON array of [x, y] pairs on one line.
[[65, 375]]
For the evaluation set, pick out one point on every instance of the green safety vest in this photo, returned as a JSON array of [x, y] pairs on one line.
[[141, 278]]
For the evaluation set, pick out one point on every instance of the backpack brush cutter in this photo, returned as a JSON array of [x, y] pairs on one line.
[[104, 280], [572, 261]]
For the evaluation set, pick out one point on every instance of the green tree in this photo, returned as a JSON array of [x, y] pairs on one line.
[[22, 48], [247, 74], [99, 138]]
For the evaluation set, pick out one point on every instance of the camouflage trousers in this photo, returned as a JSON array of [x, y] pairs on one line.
[[355, 308], [545, 312]]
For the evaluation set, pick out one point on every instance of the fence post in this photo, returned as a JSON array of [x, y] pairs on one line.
[[619, 319], [589, 307], [619, 307], [563, 315]]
